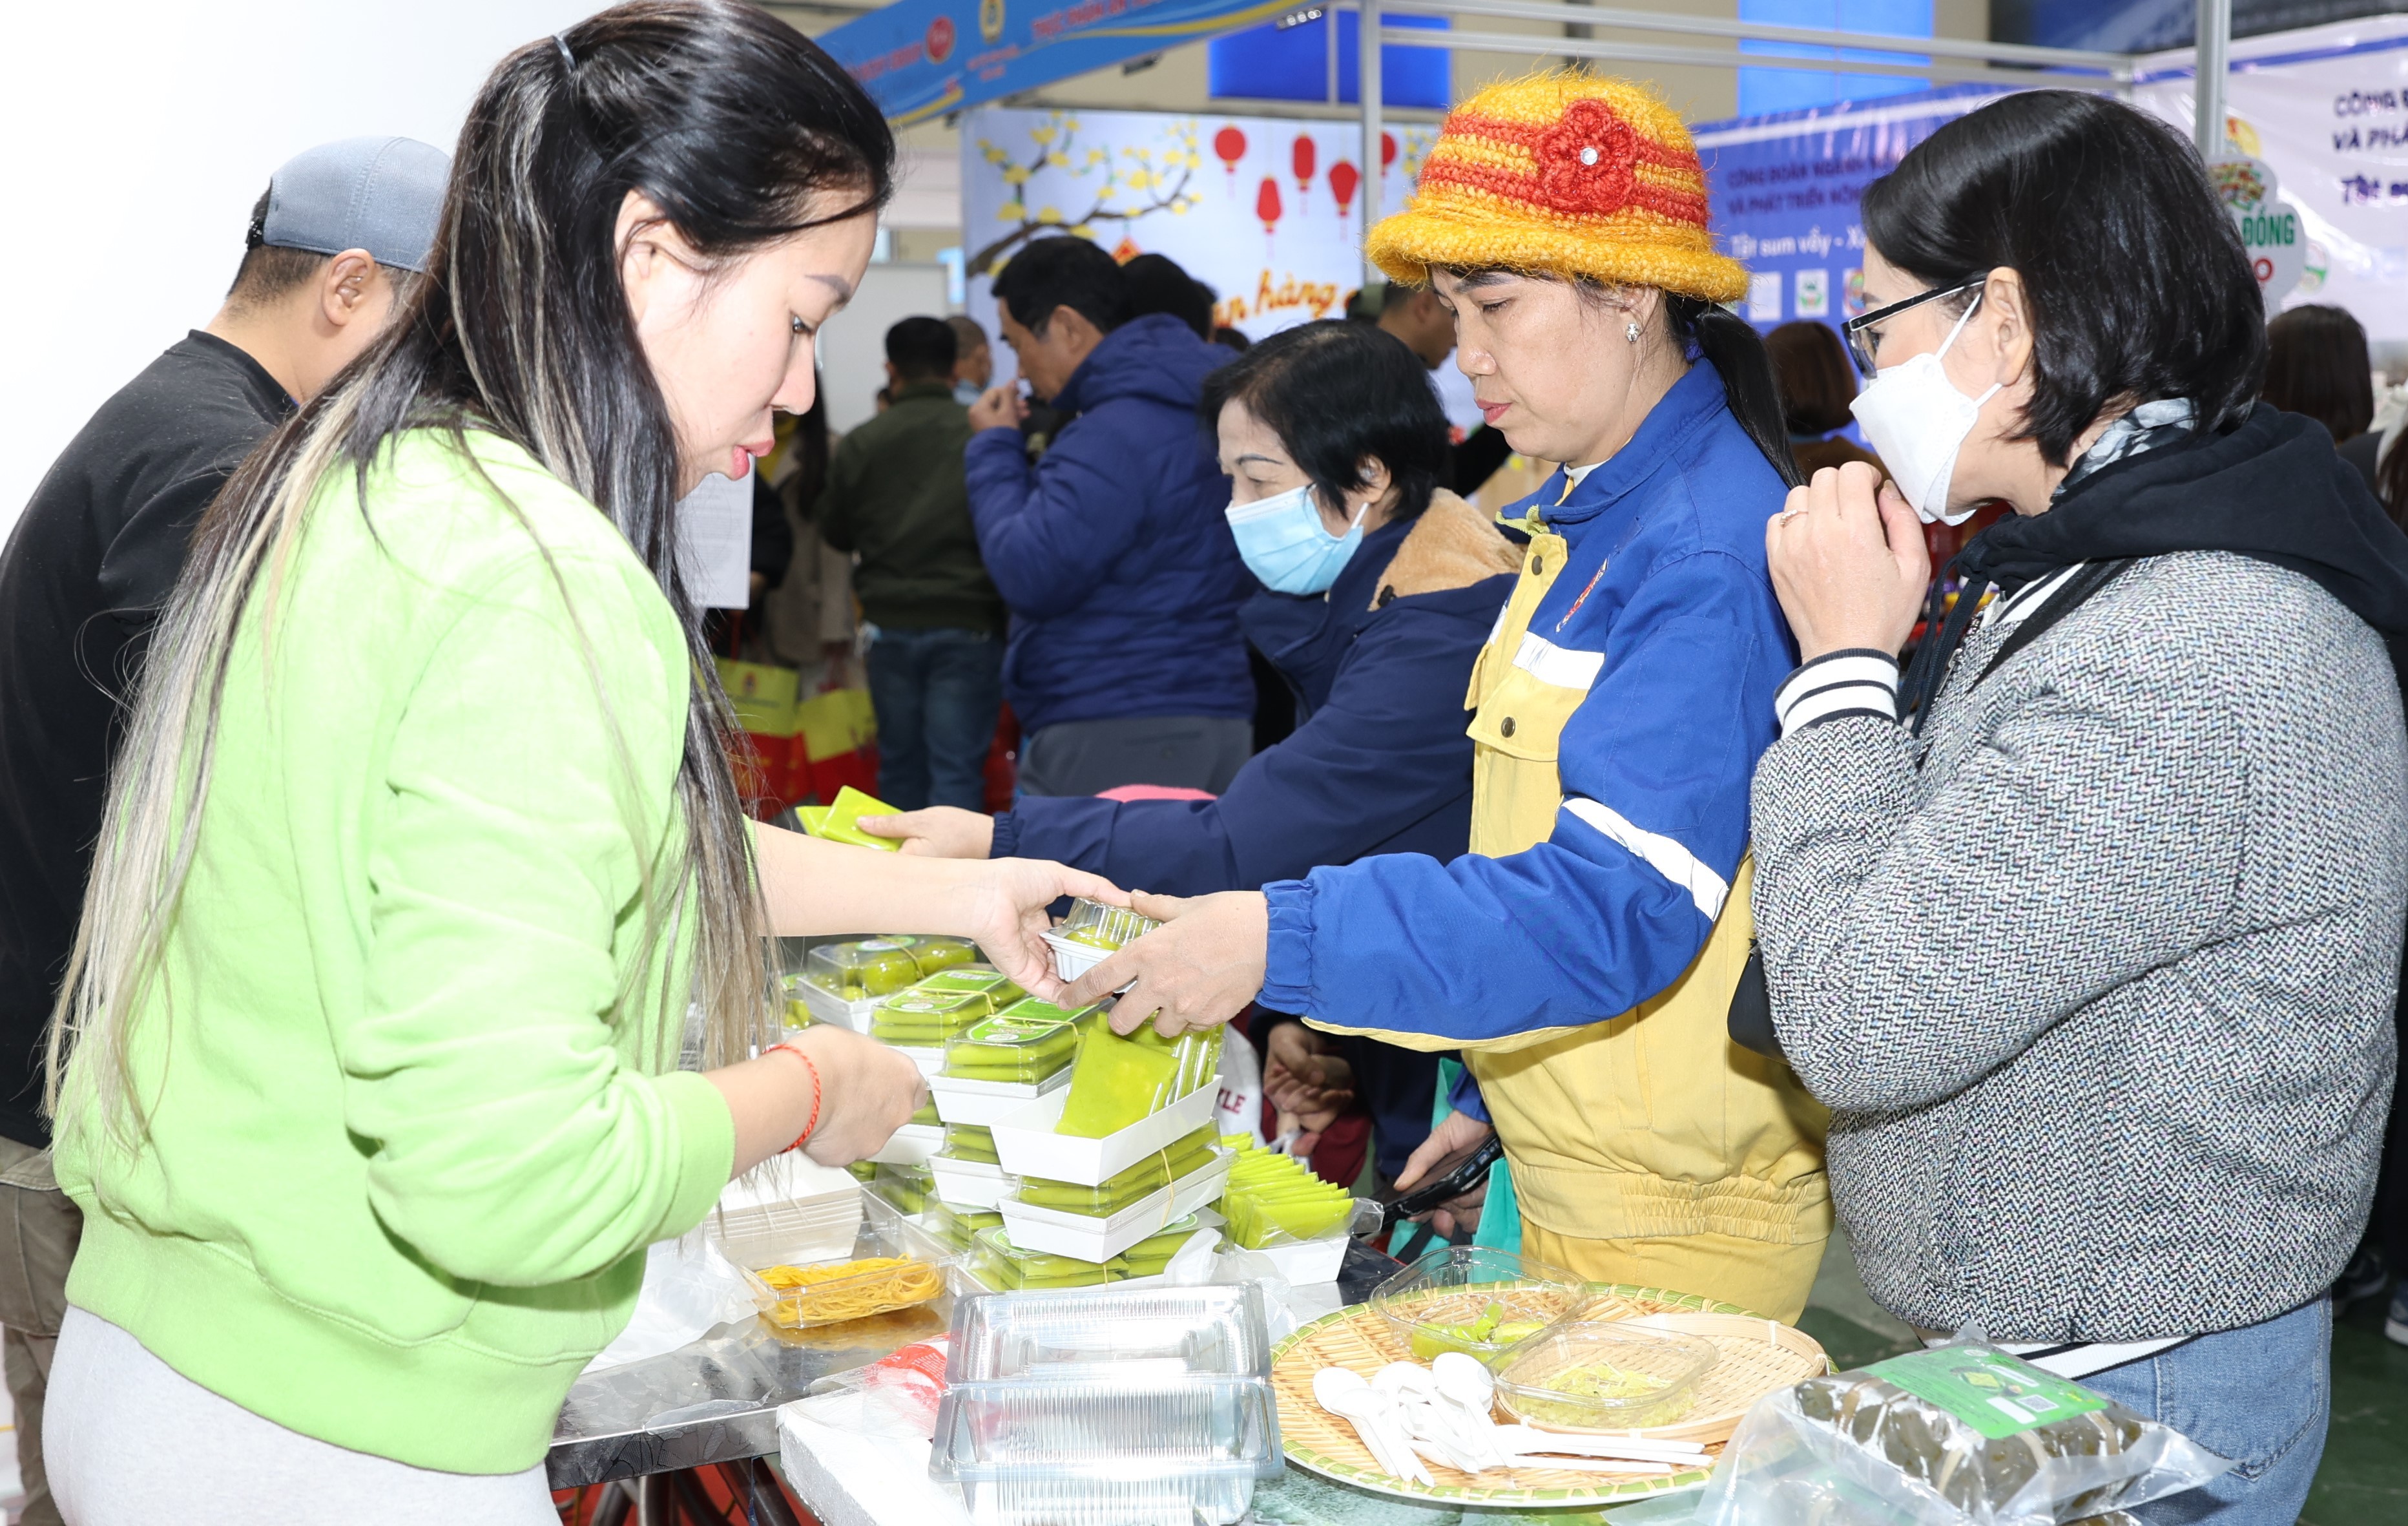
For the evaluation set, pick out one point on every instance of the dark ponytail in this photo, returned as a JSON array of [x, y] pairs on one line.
[[1737, 353]]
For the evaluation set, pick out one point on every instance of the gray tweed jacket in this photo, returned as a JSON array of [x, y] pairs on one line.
[[2097, 977]]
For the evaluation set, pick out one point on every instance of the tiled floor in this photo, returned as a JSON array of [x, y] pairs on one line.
[[2364, 1480]]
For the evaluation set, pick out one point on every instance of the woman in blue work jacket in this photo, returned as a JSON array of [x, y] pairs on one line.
[[1377, 589], [1585, 953]]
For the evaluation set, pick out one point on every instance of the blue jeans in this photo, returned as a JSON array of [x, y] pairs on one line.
[[2259, 1395], [938, 693]]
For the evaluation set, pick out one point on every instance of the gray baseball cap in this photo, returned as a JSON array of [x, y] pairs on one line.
[[383, 194]]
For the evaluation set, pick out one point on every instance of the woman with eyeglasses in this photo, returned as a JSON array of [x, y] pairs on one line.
[[2087, 929]]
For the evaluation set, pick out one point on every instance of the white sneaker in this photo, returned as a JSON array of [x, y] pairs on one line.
[[2395, 1322]]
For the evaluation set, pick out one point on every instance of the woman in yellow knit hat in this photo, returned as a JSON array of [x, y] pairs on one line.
[[1584, 955]]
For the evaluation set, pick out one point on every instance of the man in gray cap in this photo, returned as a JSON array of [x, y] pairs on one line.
[[332, 246]]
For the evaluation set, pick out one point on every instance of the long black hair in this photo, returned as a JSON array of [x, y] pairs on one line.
[[1736, 351], [2138, 285], [742, 132], [1335, 393]]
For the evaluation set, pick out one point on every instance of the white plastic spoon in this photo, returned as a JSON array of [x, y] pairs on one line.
[[1371, 1414], [1526, 1439]]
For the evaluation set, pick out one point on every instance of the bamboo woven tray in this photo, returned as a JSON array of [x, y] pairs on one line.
[[1757, 1356]]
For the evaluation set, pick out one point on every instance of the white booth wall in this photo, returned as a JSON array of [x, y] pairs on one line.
[[139, 134]]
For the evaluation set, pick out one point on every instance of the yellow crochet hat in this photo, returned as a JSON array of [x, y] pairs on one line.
[[1566, 174]]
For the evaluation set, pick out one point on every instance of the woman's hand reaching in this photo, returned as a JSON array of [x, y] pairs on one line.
[[940, 831], [1848, 562], [1004, 910], [1197, 970], [1308, 1082]]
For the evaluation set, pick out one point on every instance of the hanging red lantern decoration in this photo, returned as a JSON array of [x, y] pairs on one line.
[[1267, 205], [1229, 144], [1387, 149], [1343, 179], [1304, 157]]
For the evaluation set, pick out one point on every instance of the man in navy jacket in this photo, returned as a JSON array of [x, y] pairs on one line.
[[1126, 663]]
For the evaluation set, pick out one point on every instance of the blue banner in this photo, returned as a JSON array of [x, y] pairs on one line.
[[1783, 190], [924, 58]]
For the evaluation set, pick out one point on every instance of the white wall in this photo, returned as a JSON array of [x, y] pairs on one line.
[[137, 135]]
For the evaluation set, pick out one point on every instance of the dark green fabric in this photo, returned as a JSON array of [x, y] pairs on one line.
[[895, 494]]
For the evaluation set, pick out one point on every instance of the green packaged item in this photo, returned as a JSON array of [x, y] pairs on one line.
[[1116, 1082], [1097, 926], [969, 1142], [1150, 1255], [922, 1019], [955, 1227], [1012, 1049], [996, 1261], [842, 824], [937, 955], [1029, 1009], [974, 980], [906, 1188], [927, 1114], [862, 1171], [864, 967], [1271, 1200], [1149, 1175]]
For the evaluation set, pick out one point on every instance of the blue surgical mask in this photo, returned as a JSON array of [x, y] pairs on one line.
[[1285, 544]]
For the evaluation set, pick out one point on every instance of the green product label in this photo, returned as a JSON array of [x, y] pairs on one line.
[[1032, 1010], [1989, 1391], [1005, 1029]]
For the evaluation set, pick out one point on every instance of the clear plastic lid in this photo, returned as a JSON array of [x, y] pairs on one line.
[[1217, 1331], [926, 1019], [955, 1226], [904, 1188], [969, 1142], [936, 954], [1012, 1049], [981, 978], [1588, 1375], [995, 1260], [1113, 1448], [866, 967], [893, 1265], [1029, 1009], [1470, 1298], [1098, 926]]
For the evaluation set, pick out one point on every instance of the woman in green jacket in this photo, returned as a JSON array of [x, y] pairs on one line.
[[424, 864]]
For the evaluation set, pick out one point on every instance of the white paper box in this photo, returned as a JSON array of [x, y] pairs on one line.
[[970, 1183], [1309, 1260], [1072, 959], [929, 1060], [1055, 1232], [983, 1102], [1029, 1146], [911, 1146]]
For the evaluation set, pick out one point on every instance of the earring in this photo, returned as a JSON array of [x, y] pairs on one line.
[[1630, 331]]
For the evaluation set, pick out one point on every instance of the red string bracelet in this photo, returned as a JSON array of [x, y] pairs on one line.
[[813, 1068]]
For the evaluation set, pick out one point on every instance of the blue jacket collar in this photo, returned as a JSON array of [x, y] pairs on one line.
[[1156, 357], [1692, 403]]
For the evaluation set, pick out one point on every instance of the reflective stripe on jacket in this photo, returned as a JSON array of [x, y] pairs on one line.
[[1583, 955]]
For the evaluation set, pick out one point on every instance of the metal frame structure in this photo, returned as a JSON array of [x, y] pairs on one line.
[[1921, 58]]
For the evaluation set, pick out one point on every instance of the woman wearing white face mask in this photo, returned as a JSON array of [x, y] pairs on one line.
[[1377, 591], [2089, 938]]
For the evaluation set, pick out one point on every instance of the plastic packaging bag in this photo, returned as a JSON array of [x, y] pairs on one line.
[[1961, 1434], [689, 1287]]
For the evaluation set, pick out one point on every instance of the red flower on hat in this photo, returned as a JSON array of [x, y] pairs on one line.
[[1585, 159]]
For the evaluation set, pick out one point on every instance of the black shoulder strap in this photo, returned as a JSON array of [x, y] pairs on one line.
[[2071, 596]]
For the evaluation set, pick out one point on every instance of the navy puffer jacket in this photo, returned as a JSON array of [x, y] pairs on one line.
[[1111, 552]]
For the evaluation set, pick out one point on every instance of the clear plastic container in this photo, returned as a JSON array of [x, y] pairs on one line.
[[1150, 1255], [904, 1188], [926, 1020], [998, 1264], [894, 1266], [1192, 1153], [934, 954], [1016, 1050], [1109, 1450], [1030, 1009], [868, 967], [1472, 1299], [1100, 927], [953, 1226], [973, 980], [1220, 1330], [1590, 1375], [969, 1142], [1105, 1409]]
